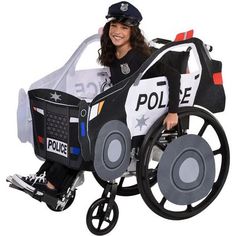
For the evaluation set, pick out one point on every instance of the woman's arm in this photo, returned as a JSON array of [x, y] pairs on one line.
[[173, 77]]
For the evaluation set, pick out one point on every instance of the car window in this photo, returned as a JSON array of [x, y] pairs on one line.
[[88, 59]]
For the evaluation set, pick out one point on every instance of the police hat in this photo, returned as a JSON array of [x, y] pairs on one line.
[[125, 13]]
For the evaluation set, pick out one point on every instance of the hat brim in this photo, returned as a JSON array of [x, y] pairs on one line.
[[129, 21]]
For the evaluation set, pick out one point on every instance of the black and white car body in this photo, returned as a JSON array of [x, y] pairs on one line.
[[77, 118]]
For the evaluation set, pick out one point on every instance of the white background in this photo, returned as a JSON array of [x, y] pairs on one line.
[[36, 38]]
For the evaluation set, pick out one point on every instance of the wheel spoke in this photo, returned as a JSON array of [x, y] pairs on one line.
[[161, 146], [163, 201], [180, 129], [95, 217], [152, 173], [216, 152], [100, 211], [100, 222], [108, 221], [203, 129], [189, 208], [121, 182]]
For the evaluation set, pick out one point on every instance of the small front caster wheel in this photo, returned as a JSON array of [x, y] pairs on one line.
[[102, 216]]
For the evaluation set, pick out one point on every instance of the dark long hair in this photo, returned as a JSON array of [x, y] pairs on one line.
[[107, 51]]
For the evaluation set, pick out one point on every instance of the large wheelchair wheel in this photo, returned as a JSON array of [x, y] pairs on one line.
[[192, 169]]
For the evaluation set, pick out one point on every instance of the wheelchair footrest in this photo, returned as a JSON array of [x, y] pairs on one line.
[[36, 194]]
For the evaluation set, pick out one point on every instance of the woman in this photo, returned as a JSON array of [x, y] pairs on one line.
[[123, 49]]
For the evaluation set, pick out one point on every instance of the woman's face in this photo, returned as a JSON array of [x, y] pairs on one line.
[[119, 34]]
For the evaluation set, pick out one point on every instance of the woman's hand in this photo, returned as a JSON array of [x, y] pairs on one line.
[[171, 120]]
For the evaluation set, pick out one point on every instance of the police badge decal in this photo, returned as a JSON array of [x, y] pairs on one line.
[[125, 68], [124, 6]]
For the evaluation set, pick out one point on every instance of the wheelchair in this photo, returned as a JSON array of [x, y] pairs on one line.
[[178, 172]]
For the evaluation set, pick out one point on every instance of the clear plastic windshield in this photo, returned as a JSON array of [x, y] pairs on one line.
[[82, 75]]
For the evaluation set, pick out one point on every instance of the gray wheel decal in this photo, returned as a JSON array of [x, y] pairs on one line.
[[186, 170], [112, 150]]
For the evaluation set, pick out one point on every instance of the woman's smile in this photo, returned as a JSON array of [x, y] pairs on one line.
[[119, 34]]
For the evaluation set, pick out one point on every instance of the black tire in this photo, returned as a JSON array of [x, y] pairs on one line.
[[100, 206], [155, 199]]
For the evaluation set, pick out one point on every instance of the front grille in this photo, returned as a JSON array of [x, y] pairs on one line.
[[57, 126]]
